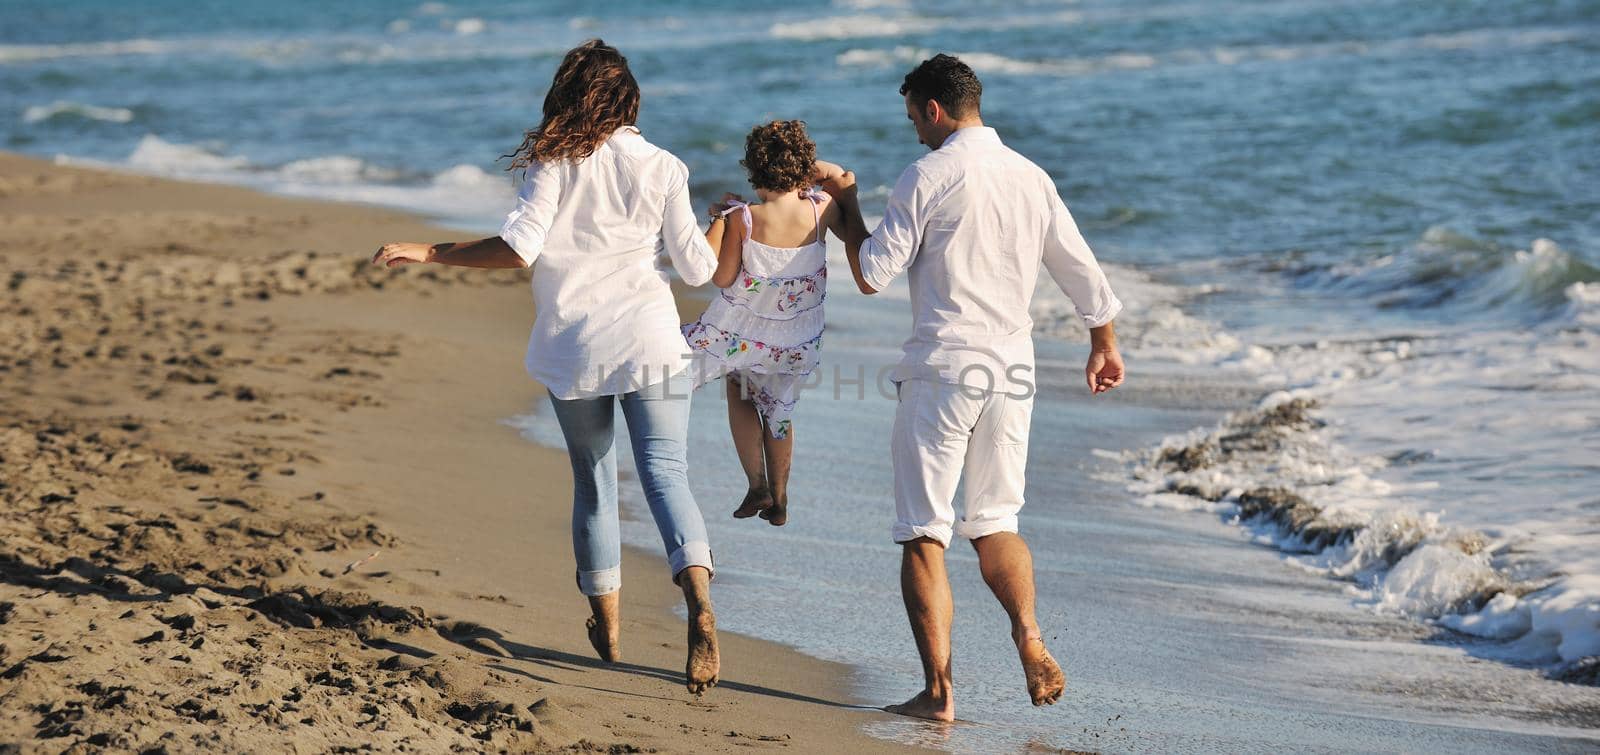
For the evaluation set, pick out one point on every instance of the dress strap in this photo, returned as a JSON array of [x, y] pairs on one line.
[[744, 210], [816, 210]]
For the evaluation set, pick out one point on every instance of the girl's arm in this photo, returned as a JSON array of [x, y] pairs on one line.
[[823, 171], [833, 219], [834, 179], [730, 232], [492, 252]]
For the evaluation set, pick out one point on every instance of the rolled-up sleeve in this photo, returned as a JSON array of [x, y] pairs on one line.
[[529, 221], [892, 247], [692, 256], [1072, 266]]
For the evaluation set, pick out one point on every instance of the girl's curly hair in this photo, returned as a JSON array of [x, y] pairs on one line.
[[593, 94], [779, 156]]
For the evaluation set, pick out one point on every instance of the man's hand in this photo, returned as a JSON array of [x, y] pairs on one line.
[[402, 253], [1104, 371]]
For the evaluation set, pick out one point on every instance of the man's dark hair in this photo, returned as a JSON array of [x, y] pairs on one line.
[[947, 80]]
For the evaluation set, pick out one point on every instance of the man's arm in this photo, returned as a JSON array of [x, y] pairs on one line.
[[1071, 264], [877, 258], [1104, 370]]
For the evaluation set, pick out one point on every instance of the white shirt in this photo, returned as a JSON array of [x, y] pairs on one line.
[[972, 221], [592, 231]]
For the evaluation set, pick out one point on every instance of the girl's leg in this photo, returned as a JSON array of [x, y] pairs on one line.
[[658, 427], [745, 425], [587, 425], [779, 453]]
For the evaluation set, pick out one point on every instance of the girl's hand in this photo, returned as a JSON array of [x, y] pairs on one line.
[[402, 253]]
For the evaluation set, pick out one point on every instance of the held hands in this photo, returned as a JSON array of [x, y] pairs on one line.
[[720, 206], [1104, 370], [402, 253], [832, 177]]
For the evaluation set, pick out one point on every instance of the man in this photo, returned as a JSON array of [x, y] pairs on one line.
[[970, 223]]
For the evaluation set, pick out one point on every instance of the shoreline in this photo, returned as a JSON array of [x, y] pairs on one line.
[[322, 395]]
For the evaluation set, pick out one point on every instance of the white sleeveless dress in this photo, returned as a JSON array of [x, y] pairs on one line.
[[765, 330]]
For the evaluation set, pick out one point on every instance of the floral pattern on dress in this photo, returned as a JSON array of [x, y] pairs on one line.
[[789, 296], [765, 308], [738, 352]]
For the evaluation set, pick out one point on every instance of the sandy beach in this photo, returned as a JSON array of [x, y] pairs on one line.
[[260, 496]]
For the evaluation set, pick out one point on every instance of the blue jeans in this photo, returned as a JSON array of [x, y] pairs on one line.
[[658, 429]]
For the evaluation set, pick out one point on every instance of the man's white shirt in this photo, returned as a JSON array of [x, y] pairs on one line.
[[972, 221]]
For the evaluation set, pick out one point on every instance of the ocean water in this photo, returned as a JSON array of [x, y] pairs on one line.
[[1347, 500]]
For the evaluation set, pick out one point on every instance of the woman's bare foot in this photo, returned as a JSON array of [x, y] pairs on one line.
[[1045, 680], [759, 499], [705, 664], [605, 626], [604, 641], [777, 513], [925, 705]]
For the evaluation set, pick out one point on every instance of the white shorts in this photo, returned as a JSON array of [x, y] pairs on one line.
[[942, 431]]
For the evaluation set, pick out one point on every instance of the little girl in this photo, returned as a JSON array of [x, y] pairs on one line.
[[764, 329]]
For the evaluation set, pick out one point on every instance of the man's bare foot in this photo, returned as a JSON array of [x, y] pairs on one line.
[[925, 705], [1045, 680], [704, 661], [777, 513], [756, 501]]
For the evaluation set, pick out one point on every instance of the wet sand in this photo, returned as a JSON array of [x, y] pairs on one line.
[[259, 495]]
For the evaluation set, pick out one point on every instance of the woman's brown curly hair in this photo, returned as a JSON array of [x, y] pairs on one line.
[[779, 156], [592, 95]]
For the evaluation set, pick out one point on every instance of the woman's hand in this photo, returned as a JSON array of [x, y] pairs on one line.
[[402, 253], [722, 205]]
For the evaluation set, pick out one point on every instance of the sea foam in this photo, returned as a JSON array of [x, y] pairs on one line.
[[63, 109]]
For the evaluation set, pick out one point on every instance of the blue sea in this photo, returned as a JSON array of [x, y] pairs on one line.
[[1359, 242]]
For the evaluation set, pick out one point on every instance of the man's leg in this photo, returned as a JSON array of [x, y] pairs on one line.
[[1007, 568], [925, 585], [996, 468], [931, 427]]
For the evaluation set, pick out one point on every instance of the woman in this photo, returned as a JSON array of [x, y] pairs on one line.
[[597, 203]]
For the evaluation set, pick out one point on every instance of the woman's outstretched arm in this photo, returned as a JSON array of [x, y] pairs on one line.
[[520, 241], [492, 252]]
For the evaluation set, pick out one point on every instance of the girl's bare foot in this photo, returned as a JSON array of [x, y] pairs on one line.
[[1045, 680], [755, 502], [777, 512], [605, 626], [926, 705]]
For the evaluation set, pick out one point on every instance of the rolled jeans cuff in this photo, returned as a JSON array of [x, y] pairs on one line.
[[602, 582], [696, 553]]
